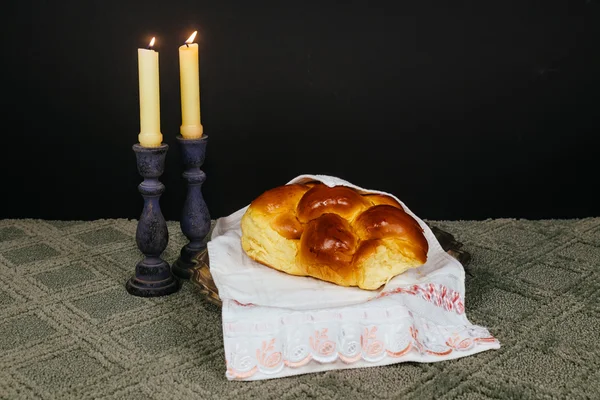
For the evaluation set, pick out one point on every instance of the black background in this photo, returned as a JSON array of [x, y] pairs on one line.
[[464, 110]]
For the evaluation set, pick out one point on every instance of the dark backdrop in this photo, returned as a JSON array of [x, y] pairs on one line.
[[465, 110]]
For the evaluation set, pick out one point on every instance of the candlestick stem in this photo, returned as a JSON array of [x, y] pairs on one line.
[[195, 218], [153, 275]]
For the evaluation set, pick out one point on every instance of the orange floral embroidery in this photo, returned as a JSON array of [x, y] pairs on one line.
[[396, 354], [321, 343], [456, 343], [414, 332], [264, 358], [349, 360], [243, 304], [439, 353], [490, 339], [439, 295], [239, 375], [369, 344], [298, 363]]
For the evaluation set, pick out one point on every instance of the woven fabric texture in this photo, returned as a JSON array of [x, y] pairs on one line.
[[69, 330]]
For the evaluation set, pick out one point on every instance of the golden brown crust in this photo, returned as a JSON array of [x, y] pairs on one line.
[[328, 240], [288, 226], [279, 199], [377, 199], [333, 233], [383, 221], [321, 199]]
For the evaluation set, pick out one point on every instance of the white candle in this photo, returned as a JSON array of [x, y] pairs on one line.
[[150, 135], [189, 76]]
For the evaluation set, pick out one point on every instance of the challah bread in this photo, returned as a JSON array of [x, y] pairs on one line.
[[335, 234]]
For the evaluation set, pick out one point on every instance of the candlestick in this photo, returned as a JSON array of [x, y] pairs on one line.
[[150, 135], [195, 218], [153, 275], [189, 77]]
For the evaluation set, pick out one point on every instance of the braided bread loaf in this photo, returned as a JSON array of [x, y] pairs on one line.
[[334, 234]]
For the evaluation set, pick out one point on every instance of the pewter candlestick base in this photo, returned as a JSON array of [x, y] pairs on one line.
[[153, 275], [195, 218]]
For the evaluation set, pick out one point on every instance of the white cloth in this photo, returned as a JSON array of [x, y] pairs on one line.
[[276, 325]]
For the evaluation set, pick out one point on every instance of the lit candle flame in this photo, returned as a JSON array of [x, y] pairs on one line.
[[151, 43], [191, 38]]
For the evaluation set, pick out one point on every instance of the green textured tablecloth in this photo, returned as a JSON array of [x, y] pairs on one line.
[[69, 330]]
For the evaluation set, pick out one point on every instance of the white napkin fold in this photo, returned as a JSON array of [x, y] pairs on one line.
[[276, 325], [239, 277]]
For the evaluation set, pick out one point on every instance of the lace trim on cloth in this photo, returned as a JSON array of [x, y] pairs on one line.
[[440, 295], [375, 335]]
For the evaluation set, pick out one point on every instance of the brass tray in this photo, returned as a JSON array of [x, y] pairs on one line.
[[202, 278]]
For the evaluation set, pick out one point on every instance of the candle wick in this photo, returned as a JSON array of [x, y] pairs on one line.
[[187, 44]]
